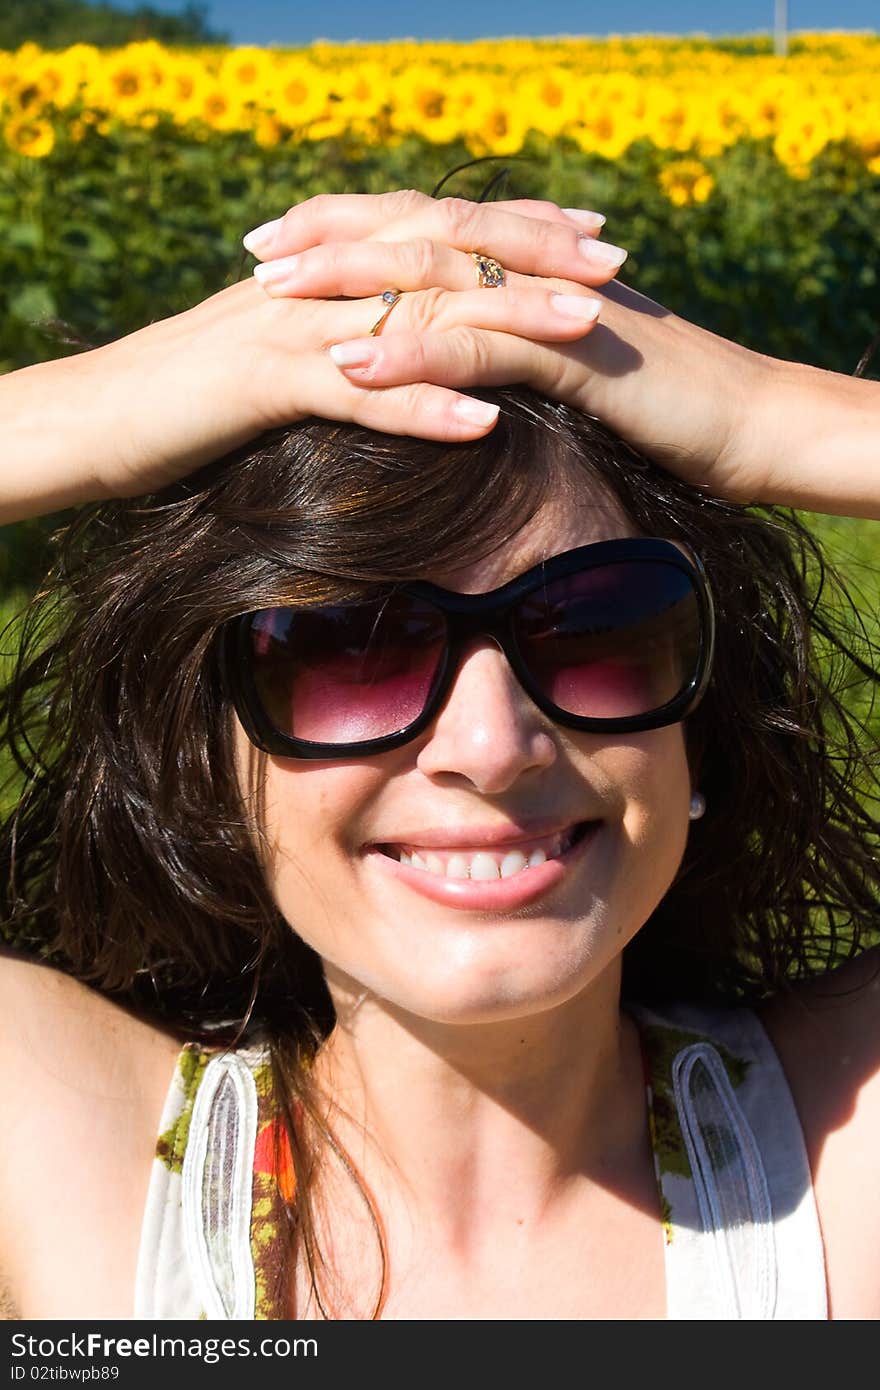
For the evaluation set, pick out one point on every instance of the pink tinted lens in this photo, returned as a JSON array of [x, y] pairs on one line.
[[612, 642], [347, 674]]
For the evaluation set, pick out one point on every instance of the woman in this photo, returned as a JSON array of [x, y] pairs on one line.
[[190, 839]]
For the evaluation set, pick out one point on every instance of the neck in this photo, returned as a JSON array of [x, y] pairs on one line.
[[425, 1108]]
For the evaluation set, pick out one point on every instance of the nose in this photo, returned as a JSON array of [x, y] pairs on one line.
[[488, 731]]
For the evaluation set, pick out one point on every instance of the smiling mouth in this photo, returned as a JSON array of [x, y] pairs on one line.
[[486, 865]]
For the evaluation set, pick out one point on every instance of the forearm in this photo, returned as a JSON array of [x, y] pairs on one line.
[[52, 437], [746, 426], [817, 435]]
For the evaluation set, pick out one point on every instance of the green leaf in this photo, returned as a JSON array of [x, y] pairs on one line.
[[33, 303], [87, 241], [24, 235]]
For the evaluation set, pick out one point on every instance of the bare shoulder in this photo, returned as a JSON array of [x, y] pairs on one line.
[[827, 1035], [82, 1085], [57, 1032]]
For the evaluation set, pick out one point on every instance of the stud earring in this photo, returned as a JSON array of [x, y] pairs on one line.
[[697, 807]]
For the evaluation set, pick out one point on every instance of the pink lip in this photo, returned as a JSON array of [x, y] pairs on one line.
[[473, 837], [501, 895]]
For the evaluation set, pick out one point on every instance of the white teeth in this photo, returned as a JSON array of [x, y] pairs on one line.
[[483, 867], [457, 866], [513, 863]]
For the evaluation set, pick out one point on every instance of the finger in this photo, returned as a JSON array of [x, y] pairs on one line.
[[540, 315], [583, 218], [425, 411], [357, 269], [353, 328], [330, 217], [528, 245], [352, 217], [461, 357], [420, 409]]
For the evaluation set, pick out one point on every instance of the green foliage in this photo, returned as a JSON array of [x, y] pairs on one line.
[[853, 547], [61, 23], [11, 605]]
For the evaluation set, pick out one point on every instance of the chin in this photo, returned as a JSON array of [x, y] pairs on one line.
[[467, 988]]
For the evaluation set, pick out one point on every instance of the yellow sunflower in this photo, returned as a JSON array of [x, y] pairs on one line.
[[551, 98], [300, 93], [607, 128], [29, 135], [686, 181], [423, 102], [127, 82], [219, 108], [58, 77], [248, 71], [268, 132], [496, 124], [362, 93]]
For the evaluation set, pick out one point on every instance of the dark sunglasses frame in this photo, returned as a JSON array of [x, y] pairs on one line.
[[483, 615]]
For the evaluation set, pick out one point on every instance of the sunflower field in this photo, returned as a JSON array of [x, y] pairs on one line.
[[745, 186]]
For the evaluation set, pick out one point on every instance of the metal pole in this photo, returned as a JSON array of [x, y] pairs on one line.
[[780, 29]]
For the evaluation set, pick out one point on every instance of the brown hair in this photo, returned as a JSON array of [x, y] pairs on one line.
[[129, 860]]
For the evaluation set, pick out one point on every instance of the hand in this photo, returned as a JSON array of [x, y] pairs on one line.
[[679, 393], [139, 413]]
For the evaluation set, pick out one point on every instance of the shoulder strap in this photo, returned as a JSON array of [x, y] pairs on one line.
[[212, 1238], [217, 1188], [743, 1238], [163, 1284]]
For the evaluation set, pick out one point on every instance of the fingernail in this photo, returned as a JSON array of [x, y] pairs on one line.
[[575, 306], [602, 252], [276, 272], [356, 353], [261, 238], [475, 412], [584, 218]]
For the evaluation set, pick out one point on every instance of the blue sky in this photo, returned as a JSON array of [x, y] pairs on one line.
[[292, 22]]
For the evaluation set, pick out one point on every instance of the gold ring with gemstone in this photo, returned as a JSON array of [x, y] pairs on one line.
[[489, 273], [389, 299]]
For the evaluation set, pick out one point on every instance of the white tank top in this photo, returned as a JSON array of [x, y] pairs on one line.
[[740, 1228]]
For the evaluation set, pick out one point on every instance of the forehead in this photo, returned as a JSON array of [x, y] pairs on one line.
[[562, 523]]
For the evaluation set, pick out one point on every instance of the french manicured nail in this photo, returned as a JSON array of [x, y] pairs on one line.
[[261, 238], [575, 306], [475, 412], [602, 252], [356, 353], [584, 218], [275, 273]]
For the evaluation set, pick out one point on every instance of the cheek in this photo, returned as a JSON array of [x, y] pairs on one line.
[[298, 806], [307, 821], [650, 775], [657, 783]]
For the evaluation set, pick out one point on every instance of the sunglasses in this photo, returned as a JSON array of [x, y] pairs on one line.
[[613, 638]]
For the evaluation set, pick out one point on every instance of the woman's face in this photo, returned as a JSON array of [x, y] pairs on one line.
[[493, 776]]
